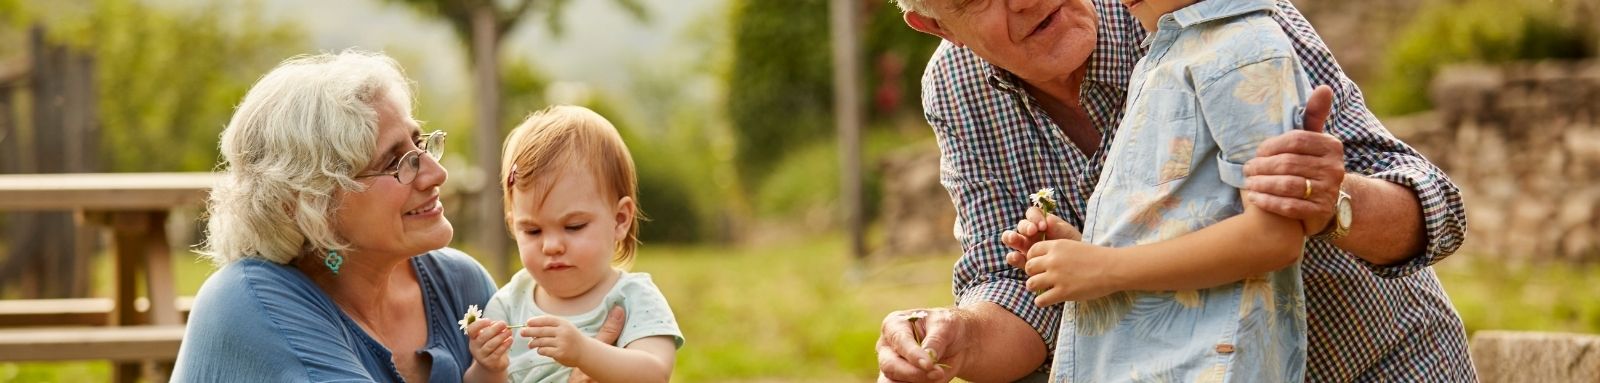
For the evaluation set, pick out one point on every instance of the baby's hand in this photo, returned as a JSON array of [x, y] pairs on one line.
[[558, 339], [489, 340]]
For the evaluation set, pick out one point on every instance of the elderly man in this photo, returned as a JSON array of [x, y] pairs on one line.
[[1026, 94]]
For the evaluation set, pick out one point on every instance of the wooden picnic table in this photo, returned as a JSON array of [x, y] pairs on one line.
[[135, 207]]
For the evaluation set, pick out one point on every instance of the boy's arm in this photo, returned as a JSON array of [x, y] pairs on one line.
[[1239, 247], [1241, 107], [648, 359], [1231, 250]]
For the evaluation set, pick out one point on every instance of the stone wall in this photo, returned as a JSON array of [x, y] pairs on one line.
[[1523, 143], [918, 217], [1510, 356]]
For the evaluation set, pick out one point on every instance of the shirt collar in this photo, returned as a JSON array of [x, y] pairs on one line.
[[1205, 11]]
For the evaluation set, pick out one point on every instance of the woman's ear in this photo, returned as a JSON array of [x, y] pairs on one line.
[[625, 216]]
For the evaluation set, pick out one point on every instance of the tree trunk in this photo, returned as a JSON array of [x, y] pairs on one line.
[[490, 228], [44, 249], [847, 116]]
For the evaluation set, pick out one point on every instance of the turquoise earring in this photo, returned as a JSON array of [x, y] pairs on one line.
[[333, 261]]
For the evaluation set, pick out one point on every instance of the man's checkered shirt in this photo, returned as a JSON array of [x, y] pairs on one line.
[[1366, 322]]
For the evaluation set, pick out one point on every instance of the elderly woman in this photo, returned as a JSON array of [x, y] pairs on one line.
[[330, 194]]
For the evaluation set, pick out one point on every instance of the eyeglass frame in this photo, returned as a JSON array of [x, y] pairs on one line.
[[432, 144]]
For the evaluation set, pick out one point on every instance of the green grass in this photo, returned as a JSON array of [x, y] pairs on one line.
[[800, 310], [1495, 295], [790, 311]]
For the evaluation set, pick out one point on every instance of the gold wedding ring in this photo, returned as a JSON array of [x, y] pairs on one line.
[[1308, 189]]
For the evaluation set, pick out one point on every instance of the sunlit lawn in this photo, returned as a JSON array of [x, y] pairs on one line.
[[800, 311], [791, 311]]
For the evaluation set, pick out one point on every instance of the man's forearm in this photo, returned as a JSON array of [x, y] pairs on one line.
[[1387, 221], [1006, 349]]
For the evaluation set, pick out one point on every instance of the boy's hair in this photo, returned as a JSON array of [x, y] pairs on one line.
[[552, 140]]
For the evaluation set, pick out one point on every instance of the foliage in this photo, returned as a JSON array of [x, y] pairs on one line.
[[1488, 31], [780, 96], [779, 81], [890, 43], [507, 15], [168, 81], [805, 185]]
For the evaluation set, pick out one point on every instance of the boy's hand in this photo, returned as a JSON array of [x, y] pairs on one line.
[[1068, 270], [489, 340], [1029, 230], [558, 339]]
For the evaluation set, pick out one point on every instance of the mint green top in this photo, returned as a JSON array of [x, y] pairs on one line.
[[648, 315]]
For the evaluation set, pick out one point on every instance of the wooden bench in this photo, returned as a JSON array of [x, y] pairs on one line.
[[73, 312], [123, 343]]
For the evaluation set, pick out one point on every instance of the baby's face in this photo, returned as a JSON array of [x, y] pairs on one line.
[[567, 231]]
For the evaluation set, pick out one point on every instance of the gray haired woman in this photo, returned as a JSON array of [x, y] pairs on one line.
[[330, 193]]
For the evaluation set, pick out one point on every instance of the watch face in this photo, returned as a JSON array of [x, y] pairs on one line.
[[1344, 212]]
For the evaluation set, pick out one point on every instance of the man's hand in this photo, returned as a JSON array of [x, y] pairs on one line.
[[1029, 232], [922, 345], [1277, 176], [610, 330]]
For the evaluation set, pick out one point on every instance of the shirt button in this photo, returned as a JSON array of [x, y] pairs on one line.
[[1224, 348]]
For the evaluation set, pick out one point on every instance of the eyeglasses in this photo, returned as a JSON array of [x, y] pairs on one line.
[[405, 169]]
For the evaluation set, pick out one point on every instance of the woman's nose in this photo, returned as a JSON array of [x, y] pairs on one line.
[[430, 173]]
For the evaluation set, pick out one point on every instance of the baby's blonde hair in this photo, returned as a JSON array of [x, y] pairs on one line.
[[551, 140]]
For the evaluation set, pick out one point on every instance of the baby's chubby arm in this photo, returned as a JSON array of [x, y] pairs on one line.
[[648, 359]]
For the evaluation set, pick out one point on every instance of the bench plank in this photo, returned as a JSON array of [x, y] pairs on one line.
[[85, 343], [70, 312]]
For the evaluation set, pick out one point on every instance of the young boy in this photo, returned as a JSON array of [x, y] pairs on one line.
[[1219, 77]]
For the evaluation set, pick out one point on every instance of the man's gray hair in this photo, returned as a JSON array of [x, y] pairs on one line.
[[297, 139], [919, 6]]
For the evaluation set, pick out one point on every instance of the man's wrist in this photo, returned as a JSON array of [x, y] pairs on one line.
[[1339, 223]]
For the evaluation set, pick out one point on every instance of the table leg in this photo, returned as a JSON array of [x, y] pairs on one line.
[[141, 245]]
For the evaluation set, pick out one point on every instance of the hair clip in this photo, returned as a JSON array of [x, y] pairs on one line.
[[511, 177]]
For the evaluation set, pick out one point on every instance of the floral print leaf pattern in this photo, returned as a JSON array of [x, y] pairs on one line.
[[1095, 317]]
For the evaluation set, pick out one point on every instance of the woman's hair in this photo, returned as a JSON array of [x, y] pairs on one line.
[[563, 137], [298, 138]]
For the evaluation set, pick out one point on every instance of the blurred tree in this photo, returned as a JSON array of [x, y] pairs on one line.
[[780, 80], [895, 58], [152, 88], [481, 25], [168, 81], [1485, 31], [779, 83]]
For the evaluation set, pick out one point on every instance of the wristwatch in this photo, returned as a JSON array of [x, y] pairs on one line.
[[1342, 217]]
